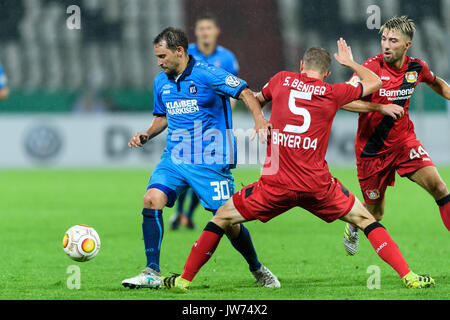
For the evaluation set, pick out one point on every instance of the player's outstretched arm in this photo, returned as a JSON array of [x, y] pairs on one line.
[[259, 96], [369, 80], [262, 125], [159, 124], [392, 110], [440, 87]]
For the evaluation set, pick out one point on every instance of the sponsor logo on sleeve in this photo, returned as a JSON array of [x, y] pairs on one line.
[[373, 194], [232, 81], [354, 81]]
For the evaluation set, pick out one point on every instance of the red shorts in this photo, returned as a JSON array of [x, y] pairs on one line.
[[264, 202], [375, 174]]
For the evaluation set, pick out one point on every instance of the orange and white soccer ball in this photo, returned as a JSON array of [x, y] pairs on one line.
[[81, 243]]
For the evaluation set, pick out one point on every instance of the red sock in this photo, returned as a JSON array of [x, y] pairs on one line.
[[444, 209], [202, 250], [386, 248]]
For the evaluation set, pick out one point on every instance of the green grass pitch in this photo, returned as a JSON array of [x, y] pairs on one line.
[[307, 254]]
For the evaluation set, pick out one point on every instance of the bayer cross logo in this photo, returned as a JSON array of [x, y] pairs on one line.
[[232, 81]]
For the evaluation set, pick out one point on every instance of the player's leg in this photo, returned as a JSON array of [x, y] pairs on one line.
[[252, 202], [190, 212], [221, 184], [162, 190], [428, 178], [175, 220], [374, 176], [223, 221], [384, 246]]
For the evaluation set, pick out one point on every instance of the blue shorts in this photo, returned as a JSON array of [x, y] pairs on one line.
[[213, 185]]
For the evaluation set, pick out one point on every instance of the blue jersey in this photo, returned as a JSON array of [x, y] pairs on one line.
[[221, 57], [197, 107], [3, 83]]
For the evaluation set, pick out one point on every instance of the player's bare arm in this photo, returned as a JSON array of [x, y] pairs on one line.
[[440, 87], [259, 96], [262, 125], [392, 110], [369, 80], [4, 93], [159, 124]]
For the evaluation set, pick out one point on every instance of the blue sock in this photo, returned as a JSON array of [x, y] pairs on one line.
[[180, 203], [243, 243], [194, 202], [153, 231]]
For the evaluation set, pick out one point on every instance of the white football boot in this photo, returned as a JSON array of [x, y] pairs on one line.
[[266, 278], [148, 278], [351, 239]]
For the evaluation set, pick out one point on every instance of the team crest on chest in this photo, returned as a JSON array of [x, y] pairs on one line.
[[411, 77], [193, 89]]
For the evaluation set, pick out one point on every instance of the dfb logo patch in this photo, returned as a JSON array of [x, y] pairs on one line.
[[233, 81]]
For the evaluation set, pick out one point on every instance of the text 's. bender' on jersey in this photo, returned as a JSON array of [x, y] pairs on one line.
[[303, 110], [377, 134], [197, 107]]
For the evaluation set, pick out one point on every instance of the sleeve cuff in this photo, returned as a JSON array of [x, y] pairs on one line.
[[236, 96], [362, 90], [262, 92]]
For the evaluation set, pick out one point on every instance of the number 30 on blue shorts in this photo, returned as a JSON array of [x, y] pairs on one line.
[[212, 184]]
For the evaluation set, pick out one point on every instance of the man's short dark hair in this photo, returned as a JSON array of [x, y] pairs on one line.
[[174, 38], [317, 59], [207, 16]]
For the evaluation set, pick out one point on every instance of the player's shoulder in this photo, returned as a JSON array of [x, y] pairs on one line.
[[192, 46], [284, 74], [375, 60], [160, 79], [225, 53], [422, 62]]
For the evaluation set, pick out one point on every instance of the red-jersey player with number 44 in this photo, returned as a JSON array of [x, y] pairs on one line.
[[383, 145], [296, 173]]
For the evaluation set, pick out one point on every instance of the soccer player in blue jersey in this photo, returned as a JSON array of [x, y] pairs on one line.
[[207, 32], [192, 102], [4, 91]]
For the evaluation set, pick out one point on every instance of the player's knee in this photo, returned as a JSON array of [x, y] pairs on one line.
[[153, 201], [376, 211], [222, 218]]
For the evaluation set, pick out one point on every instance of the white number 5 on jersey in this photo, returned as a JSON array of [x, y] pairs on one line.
[[299, 111]]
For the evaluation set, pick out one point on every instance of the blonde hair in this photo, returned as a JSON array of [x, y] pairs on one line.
[[402, 24]]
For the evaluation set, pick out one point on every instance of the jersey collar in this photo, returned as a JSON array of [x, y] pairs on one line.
[[186, 72]]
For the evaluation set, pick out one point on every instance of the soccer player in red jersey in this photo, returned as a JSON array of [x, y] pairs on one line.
[[383, 145], [303, 109]]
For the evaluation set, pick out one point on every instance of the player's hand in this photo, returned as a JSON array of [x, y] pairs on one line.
[[262, 128], [344, 55], [392, 110], [138, 140]]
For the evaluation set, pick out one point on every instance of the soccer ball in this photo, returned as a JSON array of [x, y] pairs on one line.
[[81, 243]]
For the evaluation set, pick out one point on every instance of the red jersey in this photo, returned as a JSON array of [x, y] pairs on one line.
[[377, 134], [303, 110]]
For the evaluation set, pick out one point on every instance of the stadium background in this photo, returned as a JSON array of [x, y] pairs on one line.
[[68, 86]]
